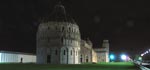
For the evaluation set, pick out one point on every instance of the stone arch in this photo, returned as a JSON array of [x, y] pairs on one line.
[[72, 58], [87, 58], [64, 55]]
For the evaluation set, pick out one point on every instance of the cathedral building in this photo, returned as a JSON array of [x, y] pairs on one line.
[[59, 41]]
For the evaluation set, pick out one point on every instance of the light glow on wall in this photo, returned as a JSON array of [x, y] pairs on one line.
[[0, 57]]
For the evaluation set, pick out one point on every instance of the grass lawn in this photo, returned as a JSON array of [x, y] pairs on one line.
[[99, 66]]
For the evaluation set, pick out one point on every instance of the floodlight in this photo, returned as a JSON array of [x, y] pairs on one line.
[[123, 57], [112, 57]]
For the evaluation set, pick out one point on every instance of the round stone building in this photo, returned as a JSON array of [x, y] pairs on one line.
[[58, 39]]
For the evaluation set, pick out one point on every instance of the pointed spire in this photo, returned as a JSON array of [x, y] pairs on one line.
[[58, 15], [59, 8]]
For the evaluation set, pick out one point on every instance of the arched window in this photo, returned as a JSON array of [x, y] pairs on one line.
[[81, 58], [63, 28], [69, 29], [71, 52], [56, 52], [64, 52], [72, 30], [62, 39]]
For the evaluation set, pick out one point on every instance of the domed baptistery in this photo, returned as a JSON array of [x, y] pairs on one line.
[[58, 39]]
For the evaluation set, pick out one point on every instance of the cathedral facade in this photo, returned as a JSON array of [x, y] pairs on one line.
[[59, 41]]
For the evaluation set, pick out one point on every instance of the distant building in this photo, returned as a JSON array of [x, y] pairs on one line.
[[86, 51], [59, 42], [103, 53], [16, 57]]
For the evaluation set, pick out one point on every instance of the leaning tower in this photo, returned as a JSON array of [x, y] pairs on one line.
[[58, 39]]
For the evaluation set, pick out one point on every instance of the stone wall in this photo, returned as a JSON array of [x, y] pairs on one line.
[[58, 37]]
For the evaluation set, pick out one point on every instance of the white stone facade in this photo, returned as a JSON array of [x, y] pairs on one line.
[[58, 39], [58, 43]]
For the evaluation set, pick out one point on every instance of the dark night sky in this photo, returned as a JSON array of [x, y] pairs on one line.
[[125, 23]]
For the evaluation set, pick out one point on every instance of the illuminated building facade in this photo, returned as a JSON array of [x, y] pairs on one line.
[[58, 39], [16, 57]]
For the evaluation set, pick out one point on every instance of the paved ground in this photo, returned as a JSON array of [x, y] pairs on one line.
[[99, 66]]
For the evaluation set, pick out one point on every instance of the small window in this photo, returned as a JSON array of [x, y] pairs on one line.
[[76, 53], [64, 52], [55, 52], [71, 52]]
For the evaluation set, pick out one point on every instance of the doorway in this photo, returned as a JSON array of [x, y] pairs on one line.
[[48, 58]]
